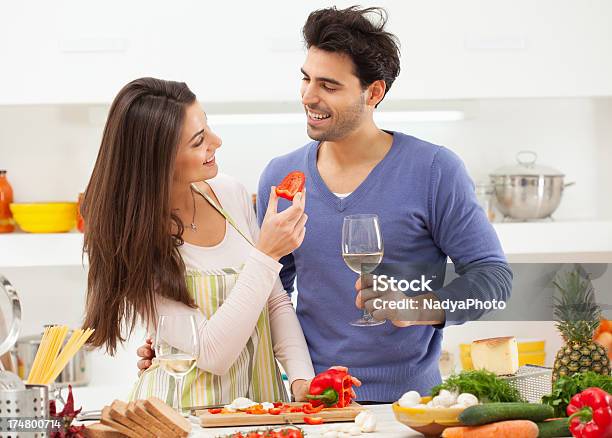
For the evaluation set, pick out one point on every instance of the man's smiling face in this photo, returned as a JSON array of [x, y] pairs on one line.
[[333, 98]]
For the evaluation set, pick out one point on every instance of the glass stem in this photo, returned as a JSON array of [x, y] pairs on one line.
[[179, 394]]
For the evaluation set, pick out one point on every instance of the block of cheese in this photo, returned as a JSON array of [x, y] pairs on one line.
[[498, 355]]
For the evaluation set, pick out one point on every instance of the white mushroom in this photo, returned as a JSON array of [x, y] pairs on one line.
[[467, 399], [409, 399]]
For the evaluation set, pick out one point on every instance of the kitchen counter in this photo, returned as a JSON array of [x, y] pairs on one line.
[[95, 398]]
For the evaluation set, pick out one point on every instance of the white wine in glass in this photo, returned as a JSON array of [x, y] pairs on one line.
[[177, 350], [362, 250]]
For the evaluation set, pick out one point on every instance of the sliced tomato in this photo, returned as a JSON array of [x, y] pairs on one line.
[[308, 409], [290, 185], [313, 420], [215, 411], [274, 411]]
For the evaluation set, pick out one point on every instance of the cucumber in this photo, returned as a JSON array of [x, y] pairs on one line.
[[554, 428], [492, 412]]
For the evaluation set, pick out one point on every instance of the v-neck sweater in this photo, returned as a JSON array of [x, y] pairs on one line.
[[428, 211]]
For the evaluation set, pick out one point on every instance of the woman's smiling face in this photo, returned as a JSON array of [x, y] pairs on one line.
[[195, 157]]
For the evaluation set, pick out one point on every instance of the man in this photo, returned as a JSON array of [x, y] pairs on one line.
[[421, 192]]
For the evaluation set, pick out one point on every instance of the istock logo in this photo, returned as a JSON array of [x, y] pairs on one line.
[[384, 283]]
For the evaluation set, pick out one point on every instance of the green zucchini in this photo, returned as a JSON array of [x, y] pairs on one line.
[[492, 412], [554, 428]]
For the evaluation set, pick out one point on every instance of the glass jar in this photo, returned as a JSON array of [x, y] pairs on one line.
[[484, 195], [7, 225]]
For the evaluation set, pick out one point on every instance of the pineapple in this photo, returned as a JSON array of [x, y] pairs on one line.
[[577, 315]]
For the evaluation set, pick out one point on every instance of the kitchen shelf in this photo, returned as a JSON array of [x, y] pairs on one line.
[[27, 250], [555, 237], [564, 237]]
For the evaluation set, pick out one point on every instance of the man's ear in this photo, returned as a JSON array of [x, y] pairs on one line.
[[375, 92]]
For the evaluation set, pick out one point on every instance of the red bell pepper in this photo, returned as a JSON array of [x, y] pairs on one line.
[[215, 411], [313, 420], [291, 185], [590, 414], [331, 388]]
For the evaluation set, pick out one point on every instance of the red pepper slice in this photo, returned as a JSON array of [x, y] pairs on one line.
[[296, 409], [313, 420], [309, 409], [274, 411], [590, 414], [293, 183], [215, 411], [278, 404]]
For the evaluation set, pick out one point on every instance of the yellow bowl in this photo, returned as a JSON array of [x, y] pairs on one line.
[[47, 217], [428, 421]]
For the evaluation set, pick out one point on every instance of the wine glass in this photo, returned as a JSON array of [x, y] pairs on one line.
[[177, 350], [362, 250]]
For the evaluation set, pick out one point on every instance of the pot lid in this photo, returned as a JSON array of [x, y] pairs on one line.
[[526, 167]]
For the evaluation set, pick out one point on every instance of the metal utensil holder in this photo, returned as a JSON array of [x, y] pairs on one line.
[[532, 382], [25, 413]]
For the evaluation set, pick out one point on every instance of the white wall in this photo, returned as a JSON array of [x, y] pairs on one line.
[[74, 51]]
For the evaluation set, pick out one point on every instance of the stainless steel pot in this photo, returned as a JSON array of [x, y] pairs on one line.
[[527, 191], [76, 372]]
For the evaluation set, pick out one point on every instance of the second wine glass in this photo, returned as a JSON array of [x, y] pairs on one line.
[[177, 350], [362, 250]]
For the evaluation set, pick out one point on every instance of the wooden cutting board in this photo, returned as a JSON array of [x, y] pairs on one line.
[[331, 415]]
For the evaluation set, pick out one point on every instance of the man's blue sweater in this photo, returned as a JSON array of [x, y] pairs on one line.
[[428, 210]]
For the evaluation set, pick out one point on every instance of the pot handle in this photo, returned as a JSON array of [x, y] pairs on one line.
[[569, 184], [527, 162]]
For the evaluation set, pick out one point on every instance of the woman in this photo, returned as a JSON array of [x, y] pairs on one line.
[[165, 238]]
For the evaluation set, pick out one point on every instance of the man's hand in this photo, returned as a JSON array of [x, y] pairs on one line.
[[146, 354], [412, 315]]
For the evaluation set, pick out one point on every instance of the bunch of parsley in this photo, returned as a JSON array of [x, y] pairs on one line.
[[567, 386], [483, 384]]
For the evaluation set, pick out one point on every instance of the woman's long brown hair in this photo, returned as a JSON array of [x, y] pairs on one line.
[[128, 239]]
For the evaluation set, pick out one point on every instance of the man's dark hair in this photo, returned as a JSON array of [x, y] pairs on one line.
[[350, 31]]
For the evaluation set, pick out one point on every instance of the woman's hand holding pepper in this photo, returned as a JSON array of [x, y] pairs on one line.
[[300, 388], [282, 233]]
